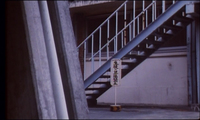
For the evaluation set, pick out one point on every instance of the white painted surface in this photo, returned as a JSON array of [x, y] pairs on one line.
[[156, 81]]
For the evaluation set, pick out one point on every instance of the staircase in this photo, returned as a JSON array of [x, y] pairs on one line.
[[138, 39]]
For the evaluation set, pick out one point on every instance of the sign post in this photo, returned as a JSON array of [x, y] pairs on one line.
[[115, 81]]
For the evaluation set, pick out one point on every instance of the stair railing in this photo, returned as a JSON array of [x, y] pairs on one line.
[[129, 31], [99, 28]]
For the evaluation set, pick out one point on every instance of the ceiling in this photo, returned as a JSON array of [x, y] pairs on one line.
[[96, 9], [107, 7]]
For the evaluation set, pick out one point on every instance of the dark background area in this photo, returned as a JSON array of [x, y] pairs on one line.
[[20, 95]]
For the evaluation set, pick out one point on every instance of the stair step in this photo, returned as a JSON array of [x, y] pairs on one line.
[[96, 88], [159, 34], [182, 19], [127, 69], [172, 27], [101, 83], [105, 76], [134, 57], [129, 63], [91, 94], [153, 42], [134, 54], [140, 47], [124, 67], [90, 98]]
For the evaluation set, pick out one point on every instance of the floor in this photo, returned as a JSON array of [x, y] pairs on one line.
[[142, 113]]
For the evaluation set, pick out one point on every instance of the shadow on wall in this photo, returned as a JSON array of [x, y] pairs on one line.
[[20, 96]]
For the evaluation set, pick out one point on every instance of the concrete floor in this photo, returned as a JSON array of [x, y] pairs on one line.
[[143, 113]]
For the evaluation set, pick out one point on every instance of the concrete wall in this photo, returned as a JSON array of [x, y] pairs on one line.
[[85, 3], [29, 93], [159, 80], [20, 96]]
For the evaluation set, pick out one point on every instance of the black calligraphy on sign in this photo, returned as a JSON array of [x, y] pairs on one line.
[[115, 72]]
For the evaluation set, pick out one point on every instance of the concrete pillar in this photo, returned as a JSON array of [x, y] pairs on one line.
[[189, 64], [192, 64], [198, 57], [68, 59], [59, 97], [39, 61], [193, 59]]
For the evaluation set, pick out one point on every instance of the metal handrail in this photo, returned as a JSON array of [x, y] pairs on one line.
[[123, 29], [102, 24], [133, 28]]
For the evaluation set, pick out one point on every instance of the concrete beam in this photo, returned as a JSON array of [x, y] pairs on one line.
[[57, 85], [80, 3], [39, 61], [68, 59]]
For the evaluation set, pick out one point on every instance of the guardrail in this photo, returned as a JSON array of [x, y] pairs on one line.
[[149, 12]]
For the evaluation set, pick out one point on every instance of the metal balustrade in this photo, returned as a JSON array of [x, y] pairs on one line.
[[148, 13]]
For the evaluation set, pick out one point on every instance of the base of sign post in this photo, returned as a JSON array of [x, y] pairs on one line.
[[115, 108]]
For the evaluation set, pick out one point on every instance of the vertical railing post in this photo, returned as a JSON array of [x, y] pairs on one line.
[[134, 18], [153, 11], [100, 47], [92, 53], [173, 20], [125, 13], [143, 16], [146, 18], [108, 35], [116, 30], [130, 33], [84, 65], [138, 25], [122, 40], [163, 10], [155, 7], [163, 6], [125, 25], [155, 15]]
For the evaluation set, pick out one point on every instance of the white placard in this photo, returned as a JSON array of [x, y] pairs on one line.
[[115, 72]]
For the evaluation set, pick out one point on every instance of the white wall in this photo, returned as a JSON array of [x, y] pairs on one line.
[[156, 81]]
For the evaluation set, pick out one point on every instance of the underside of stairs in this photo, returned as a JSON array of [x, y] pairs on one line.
[[168, 25]]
